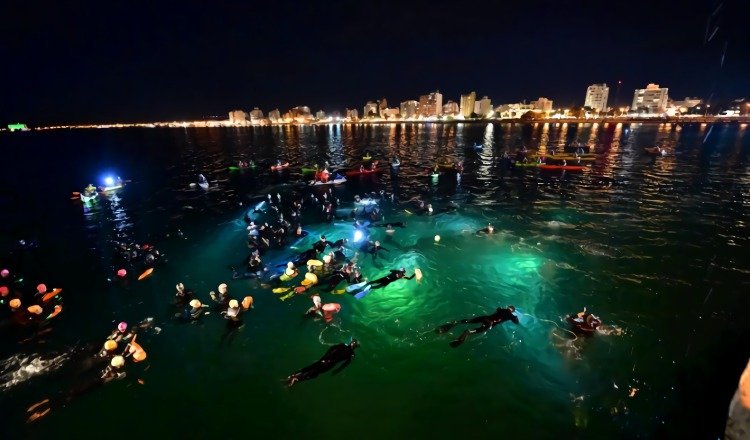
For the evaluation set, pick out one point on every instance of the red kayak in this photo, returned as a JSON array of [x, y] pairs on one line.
[[562, 167], [279, 167], [353, 173]]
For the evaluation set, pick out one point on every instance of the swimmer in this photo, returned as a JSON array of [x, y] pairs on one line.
[[321, 244], [193, 313], [487, 322], [232, 312], [391, 277], [316, 307], [488, 230], [336, 354], [584, 323], [183, 295]]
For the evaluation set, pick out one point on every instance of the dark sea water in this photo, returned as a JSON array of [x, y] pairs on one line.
[[661, 255]]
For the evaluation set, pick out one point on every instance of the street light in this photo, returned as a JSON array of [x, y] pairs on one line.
[[708, 106]]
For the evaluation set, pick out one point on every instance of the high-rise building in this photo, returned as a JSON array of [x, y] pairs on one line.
[[256, 115], [450, 108], [543, 104], [485, 107], [274, 115], [236, 117], [352, 114], [382, 105], [596, 97], [320, 114], [653, 99], [389, 113], [409, 109], [371, 109], [431, 105], [467, 104]]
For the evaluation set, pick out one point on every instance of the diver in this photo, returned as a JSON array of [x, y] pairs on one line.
[[388, 279], [336, 354], [113, 371], [487, 322], [183, 295]]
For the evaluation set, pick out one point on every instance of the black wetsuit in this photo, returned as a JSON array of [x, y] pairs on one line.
[[487, 322], [333, 280], [335, 355], [388, 279]]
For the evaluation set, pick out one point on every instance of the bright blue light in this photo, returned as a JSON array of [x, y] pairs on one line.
[[358, 235], [109, 181]]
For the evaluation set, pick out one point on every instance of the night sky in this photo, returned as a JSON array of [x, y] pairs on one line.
[[65, 63]]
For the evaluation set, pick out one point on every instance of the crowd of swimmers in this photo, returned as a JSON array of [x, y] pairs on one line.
[[329, 266]]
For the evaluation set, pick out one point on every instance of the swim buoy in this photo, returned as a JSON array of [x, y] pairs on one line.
[[146, 273], [314, 263], [418, 274], [247, 302], [50, 295], [329, 310]]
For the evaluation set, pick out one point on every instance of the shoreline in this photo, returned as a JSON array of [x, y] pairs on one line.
[[224, 124]]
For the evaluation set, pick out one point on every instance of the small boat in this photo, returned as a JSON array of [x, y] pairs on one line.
[[336, 181], [562, 167], [354, 173], [656, 151], [368, 157], [279, 167]]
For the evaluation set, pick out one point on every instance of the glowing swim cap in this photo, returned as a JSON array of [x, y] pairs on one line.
[[110, 345], [195, 303], [290, 265], [117, 361], [222, 288], [4, 273], [122, 327], [247, 302], [122, 273], [15, 303], [41, 288], [4, 291], [234, 304], [35, 309]]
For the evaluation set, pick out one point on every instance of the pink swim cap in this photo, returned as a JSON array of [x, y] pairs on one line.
[[41, 288], [4, 273], [121, 273], [122, 327]]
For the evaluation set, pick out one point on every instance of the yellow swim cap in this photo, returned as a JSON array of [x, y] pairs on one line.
[[195, 303], [117, 361], [110, 345], [234, 304]]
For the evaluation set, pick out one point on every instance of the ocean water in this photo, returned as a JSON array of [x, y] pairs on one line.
[[657, 247]]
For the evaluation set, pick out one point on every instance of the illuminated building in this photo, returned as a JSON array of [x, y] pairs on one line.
[[274, 115], [256, 115], [596, 97], [237, 117], [467, 104], [389, 113], [450, 108], [371, 109], [543, 104], [483, 107], [431, 105], [352, 114], [652, 100], [320, 114], [409, 109]]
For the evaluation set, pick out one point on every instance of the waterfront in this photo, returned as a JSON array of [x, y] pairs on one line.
[[660, 254]]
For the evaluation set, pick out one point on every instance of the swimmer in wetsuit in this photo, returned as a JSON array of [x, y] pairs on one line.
[[335, 355], [501, 315], [488, 230], [391, 277]]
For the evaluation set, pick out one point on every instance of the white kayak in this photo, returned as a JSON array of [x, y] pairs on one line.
[[330, 182]]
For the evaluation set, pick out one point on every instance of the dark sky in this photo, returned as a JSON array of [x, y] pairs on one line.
[[115, 61]]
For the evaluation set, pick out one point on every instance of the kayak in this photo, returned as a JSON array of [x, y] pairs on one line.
[[528, 164], [567, 157], [240, 168], [330, 182], [279, 167], [361, 173], [562, 167]]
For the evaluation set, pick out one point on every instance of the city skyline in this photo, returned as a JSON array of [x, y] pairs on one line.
[[176, 62]]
